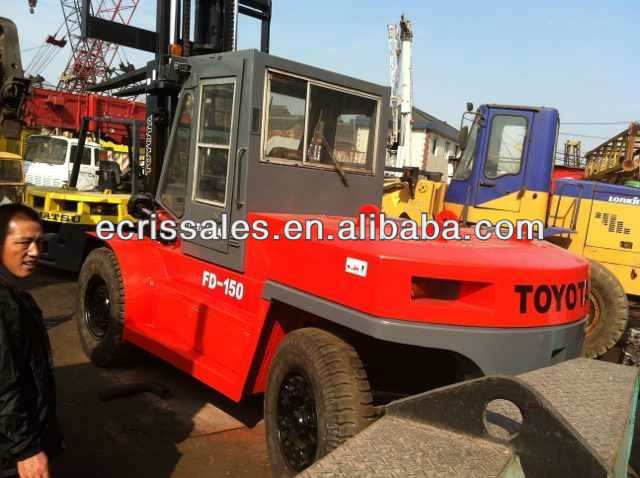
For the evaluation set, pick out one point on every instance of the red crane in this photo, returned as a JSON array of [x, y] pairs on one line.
[[91, 60]]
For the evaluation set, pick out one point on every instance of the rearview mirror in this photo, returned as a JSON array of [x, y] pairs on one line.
[[463, 136]]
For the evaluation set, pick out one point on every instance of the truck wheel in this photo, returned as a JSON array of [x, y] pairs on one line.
[[608, 314], [101, 308], [317, 396]]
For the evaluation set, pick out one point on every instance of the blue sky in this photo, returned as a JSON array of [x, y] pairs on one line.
[[577, 56]]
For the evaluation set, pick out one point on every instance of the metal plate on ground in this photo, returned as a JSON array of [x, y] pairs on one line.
[[399, 447], [577, 420]]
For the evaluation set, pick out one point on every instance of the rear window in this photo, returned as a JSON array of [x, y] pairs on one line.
[[317, 124]]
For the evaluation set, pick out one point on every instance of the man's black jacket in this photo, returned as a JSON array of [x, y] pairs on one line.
[[28, 422]]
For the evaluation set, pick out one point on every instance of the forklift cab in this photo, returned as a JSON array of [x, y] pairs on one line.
[[257, 133], [505, 169]]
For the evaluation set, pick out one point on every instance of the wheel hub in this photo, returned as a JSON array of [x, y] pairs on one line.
[[97, 310], [297, 421]]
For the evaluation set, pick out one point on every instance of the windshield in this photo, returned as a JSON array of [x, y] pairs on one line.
[[463, 171], [10, 171], [41, 149]]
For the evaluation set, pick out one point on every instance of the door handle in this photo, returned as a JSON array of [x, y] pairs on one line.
[[240, 153], [488, 184]]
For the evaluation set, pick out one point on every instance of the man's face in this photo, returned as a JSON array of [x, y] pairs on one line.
[[22, 247]]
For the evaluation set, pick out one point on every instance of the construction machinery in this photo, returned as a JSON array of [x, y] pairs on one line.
[[617, 160], [327, 329], [93, 61], [48, 160], [13, 89], [69, 202], [399, 141], [588, 217], [13, 84], [69, 212], [496, 184], [51, 112], [506, 172]]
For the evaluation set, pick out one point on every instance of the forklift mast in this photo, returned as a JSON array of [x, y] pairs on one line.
[[162, 78]]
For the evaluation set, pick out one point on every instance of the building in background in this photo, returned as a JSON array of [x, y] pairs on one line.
[[436, 142]]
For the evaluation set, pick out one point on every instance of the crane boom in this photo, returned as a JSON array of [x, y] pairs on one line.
[[91, 60], [400, 69]]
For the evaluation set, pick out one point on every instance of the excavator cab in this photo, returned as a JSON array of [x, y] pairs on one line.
[[498, 176]]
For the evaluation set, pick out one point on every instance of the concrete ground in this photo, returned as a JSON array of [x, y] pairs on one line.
[[195, 433]]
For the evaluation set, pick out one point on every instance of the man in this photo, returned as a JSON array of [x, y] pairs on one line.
[[28, 424]]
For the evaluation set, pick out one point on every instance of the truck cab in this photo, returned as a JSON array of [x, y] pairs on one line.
[[48, 161]]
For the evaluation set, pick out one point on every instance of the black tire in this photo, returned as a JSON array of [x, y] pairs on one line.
[[609, 312], [314, 363], [100, 311]]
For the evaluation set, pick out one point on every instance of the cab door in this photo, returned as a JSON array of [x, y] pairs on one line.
[[87, 179], [200, 305], [500, 176], [212, 192]]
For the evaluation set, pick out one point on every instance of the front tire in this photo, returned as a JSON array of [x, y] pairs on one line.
[[317, 397], [609, 312], [100, 312]]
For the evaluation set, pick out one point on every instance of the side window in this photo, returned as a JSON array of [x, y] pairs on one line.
[[174, 182], [86, 154], [341, 125], [216, 108], [506, 145], [318, 125], [287, 106]]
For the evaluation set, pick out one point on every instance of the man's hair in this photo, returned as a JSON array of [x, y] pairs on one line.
[[12, 211]]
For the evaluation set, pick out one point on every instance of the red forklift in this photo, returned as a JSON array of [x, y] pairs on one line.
[[326, 329]]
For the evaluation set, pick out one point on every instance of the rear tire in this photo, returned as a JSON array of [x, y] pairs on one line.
[[609, 312], [317, 397], [100, 312]]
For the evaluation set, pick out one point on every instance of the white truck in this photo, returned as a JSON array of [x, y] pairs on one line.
[[48, 161]]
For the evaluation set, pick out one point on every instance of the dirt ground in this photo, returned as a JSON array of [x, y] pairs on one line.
[[194, 433]]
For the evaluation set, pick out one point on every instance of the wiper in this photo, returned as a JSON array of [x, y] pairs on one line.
[[335, 162]]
